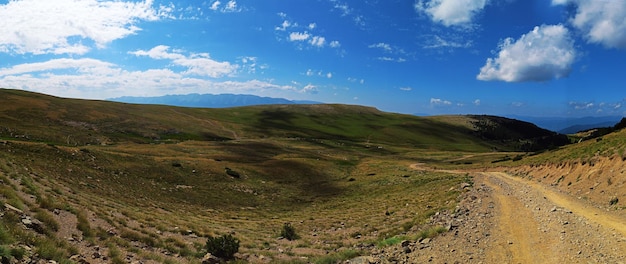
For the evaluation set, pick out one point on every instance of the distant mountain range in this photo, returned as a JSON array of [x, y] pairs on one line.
[[208, 100], [569, 125]]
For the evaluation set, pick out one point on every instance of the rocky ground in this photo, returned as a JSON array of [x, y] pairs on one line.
[[505, 219]]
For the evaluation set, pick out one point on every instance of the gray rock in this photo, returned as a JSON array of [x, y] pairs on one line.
[[362, 260], [210, 259]]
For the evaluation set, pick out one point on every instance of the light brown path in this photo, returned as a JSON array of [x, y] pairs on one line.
[[517, 235], [535, 224], [601, 217]]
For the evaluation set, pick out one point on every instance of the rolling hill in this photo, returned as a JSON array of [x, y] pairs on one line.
[[110, 182], [78, 122], [208, 100]]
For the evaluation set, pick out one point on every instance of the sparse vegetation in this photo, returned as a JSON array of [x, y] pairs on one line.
[[289, 232], [166, 180]]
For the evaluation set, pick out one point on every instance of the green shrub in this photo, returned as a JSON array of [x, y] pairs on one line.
[[223, 247], [47, 219], [83, 224], [289, 232]]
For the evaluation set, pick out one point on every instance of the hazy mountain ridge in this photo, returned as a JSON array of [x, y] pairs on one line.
[[208, 100], [570, 125]]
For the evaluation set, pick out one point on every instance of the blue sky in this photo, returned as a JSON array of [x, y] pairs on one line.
[[502, 57]]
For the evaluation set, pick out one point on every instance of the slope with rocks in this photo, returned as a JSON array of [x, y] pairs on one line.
[[505, 219]]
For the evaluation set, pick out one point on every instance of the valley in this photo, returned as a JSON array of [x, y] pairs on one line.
[[103, 182]]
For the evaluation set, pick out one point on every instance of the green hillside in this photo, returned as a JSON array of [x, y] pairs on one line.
[[36, 117], [154, 182]]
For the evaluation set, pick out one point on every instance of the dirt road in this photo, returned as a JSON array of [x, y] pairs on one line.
[[506, 219]]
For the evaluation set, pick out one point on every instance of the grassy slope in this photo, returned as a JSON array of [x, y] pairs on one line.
[[335, 171], [79, 122]]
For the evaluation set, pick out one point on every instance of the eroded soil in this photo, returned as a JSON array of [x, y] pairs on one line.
[[507, 219]]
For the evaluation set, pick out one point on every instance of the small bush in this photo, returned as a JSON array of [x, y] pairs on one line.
[[614, 201], [83, 224], [47, 219], [289, 232], [232, 173], [223, 247]]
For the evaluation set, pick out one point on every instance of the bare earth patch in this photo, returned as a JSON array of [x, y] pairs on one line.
[[506, 219]]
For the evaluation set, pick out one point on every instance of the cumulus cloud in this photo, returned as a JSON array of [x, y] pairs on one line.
[[317, 41], [476, 102], [283, 27], [59, 27], [450, 12], [304, 34], [581, 105], [542, 54], [299, 36], [215, 6], [600, 21], [199, 64], [438, 101], [229, 7]]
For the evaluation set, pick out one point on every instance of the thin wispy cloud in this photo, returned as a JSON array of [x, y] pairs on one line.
[[196, 64]]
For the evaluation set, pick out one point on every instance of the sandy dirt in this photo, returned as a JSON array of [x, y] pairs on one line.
[[507, 219]]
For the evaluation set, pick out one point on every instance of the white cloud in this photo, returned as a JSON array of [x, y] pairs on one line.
[[335, 44], [329, 75], [476, 102], [317, 41], [437, 42], [542, 54], [309, 88], [301, 33], [601, 21], [343, 7], [384, 46], [406, 89], [231, 6], [79, 65], [196, 64], [215, 6], [96, 79], [437, 101], [298, 36], [581, 105], [283, 27], [60, 26], [450, 12]]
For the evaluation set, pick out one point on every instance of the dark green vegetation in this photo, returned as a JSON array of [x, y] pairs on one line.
[[223, 247], [156, 181]]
